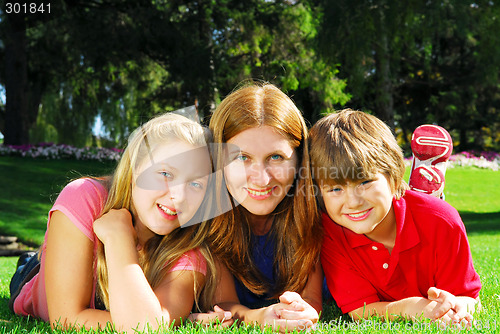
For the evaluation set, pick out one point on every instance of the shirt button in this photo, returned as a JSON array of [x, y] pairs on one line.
[[385, 265], [374, 247]]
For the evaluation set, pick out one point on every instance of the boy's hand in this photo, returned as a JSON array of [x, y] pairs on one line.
[[448, 309]]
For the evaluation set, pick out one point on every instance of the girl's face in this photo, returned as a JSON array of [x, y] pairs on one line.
[[169, 187], [261, 172]]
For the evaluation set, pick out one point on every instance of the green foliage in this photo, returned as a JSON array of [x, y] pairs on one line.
[[408, 62], [437, 60], [128, 60]]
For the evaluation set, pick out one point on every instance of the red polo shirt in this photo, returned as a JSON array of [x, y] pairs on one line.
[[431, 249]]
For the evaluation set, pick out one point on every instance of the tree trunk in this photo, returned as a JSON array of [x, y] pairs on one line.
[[384, 102], [16, 131], [207, 94]]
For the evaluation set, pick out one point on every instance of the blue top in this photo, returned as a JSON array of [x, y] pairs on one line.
[[263, 256]]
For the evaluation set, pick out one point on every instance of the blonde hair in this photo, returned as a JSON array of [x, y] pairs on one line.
[[296, 229], [160, 252], [352, 146]]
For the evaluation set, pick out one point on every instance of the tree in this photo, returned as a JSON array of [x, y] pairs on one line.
[[450, 71], [127, 60], [417, 62]]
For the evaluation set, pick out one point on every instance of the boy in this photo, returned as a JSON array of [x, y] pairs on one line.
[[387, 251]]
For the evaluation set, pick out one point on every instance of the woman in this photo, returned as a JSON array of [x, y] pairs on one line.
[[118, 241], [269, 244]]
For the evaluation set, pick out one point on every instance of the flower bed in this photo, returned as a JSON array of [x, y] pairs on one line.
[[489, 160], [52, 151]]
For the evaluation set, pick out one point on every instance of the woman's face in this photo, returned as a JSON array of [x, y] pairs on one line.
[[169, 187], [261, 172]]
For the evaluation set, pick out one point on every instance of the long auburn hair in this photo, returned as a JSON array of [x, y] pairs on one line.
[[160, 252], [296, 231]]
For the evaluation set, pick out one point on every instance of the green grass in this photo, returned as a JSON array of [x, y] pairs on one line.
[[29, 187]]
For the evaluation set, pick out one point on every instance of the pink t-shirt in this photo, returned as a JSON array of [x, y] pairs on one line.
[[82, 201]]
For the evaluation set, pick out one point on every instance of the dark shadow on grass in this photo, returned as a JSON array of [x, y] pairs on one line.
[[481, 222], [10, 322]]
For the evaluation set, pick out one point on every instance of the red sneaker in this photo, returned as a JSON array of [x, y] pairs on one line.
[[431, 146], [427, 179]]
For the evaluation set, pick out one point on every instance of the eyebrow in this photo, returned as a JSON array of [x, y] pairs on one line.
[[165, 165]]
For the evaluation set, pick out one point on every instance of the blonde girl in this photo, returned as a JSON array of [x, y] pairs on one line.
[[116, 252]]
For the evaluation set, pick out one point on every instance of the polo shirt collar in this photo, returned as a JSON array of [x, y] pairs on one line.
[[406, 235], [356, 240]]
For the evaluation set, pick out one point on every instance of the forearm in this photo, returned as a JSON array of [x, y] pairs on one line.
[[88, 319], [243, 313], [410, 308], [132, 302], [316, 303], [313, 291]]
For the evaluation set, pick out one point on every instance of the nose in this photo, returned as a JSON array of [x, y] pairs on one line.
[[353, 197], [259, 174], [177, 192]]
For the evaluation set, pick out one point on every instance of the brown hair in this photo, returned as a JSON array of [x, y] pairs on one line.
[[351, 146], [296, 229]]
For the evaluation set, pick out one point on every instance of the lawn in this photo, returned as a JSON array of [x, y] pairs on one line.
[[30, 186]]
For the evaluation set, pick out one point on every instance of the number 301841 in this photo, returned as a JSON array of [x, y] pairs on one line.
[[27, 8]]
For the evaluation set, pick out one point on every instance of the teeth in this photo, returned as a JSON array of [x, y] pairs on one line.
[[357, 215], [259, 193], [167, 210]]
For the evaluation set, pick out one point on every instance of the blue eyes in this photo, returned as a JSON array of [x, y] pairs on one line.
[[274, 157], [242, 158], [196, 185], [166, 174], [338, 189], [169, 176]]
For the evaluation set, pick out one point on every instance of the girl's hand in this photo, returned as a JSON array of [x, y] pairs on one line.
[[217, 317], [115, 225]]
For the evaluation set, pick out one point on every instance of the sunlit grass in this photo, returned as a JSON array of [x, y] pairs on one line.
[[30, 189], [30, 186]]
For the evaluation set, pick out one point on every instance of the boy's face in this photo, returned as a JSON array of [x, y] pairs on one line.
[[361, 206]]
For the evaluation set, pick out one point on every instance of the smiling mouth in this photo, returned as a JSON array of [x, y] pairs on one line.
[[259, 193], [359, 215], [168, 211]]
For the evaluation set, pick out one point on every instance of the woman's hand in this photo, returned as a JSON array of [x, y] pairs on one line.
[[115, 224], [291, 313], [216, 317]]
